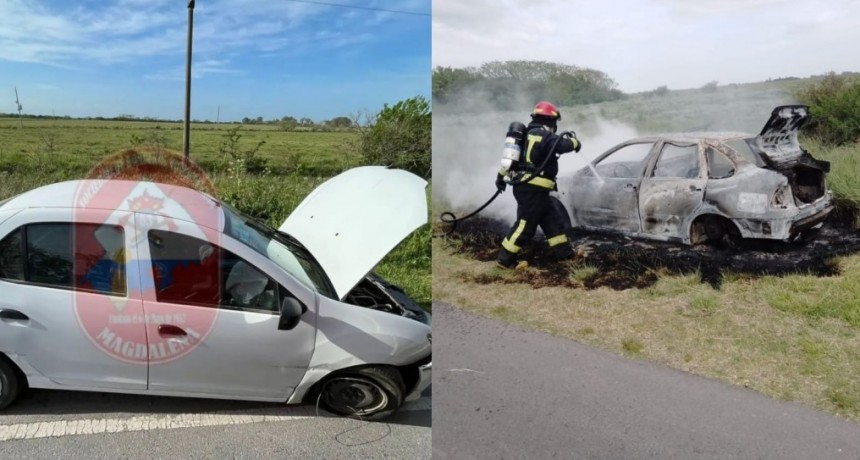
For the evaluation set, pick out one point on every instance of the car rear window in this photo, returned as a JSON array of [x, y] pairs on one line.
[[80, 256]]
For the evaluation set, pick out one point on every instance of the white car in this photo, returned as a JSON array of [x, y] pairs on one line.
[[145, 288]]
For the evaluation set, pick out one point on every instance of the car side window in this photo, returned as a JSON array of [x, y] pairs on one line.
[[12, 256], [86, 257], [192, 271], [678, 162], [627, 161], [719, 165]]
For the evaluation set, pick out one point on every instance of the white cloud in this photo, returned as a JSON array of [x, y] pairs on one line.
[[31, 31]]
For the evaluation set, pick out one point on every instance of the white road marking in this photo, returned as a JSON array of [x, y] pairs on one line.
[[465, 370], [52, 429]]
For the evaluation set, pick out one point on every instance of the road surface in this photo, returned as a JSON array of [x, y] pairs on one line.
[[502, 392], [63, 424]]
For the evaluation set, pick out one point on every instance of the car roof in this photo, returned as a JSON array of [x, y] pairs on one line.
[[73, 194], [695, 136]]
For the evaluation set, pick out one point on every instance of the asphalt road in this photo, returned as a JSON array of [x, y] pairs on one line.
[[502, 392], [61, 424]]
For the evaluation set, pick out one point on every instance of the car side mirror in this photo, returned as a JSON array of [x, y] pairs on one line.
[[291, 314]]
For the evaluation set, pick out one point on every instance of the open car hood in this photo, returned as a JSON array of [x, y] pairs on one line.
[[777, 144], [353, 220]]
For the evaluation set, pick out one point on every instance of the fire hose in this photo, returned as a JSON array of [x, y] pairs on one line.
[[448, 217]]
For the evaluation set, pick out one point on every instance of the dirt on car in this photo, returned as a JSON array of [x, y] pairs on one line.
[[621, 262]]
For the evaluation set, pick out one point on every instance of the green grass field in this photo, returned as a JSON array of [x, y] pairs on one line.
[[48, 151]]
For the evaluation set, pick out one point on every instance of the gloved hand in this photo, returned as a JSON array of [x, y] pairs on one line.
[[500, 183]]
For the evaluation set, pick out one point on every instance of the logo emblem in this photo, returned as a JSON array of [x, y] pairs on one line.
[[146, 264]]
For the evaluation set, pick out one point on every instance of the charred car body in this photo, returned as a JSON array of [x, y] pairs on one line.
[[697, 187]]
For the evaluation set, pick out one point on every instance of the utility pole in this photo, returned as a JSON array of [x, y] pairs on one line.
[[18, 103], [186, 140]]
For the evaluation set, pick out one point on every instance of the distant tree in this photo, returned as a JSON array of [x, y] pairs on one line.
[[340, 122], [447, 81], [504, 82], [306, 122], [288, 123], [246, 120], [710, 86]]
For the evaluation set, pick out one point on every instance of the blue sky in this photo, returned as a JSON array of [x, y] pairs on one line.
[[643, 44], [266, 58]]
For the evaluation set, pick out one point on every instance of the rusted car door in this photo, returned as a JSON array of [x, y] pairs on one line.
[[606, 195], [673, 187]]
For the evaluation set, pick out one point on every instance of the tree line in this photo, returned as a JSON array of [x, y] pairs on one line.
[[504, 83]]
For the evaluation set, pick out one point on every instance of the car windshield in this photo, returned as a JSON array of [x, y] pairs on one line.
[[279, 247], [742, 147]]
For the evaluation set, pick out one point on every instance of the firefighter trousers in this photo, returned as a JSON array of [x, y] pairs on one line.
[[534, 208]]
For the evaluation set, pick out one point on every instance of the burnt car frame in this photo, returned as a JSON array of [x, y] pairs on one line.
[[705, 186]]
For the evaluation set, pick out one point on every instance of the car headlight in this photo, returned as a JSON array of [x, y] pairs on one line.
[[781, 197]]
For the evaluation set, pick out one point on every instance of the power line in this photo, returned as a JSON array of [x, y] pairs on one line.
[[341, 5]]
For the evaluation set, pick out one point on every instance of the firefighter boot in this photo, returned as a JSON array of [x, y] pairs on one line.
[[562, 251], [506, 259]]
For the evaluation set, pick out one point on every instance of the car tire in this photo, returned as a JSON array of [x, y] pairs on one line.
[[369, 393], [10, 384]]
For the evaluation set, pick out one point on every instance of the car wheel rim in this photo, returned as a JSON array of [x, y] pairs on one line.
[[352, 395]]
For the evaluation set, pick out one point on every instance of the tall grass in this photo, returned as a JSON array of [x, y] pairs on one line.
[[844, 176]]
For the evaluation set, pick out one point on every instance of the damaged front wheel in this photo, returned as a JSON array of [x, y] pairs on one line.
[[370, 393]]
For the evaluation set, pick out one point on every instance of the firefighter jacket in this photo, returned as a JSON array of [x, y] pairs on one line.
[[538, 143]]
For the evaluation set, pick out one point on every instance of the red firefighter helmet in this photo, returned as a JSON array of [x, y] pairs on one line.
[[546, 109]]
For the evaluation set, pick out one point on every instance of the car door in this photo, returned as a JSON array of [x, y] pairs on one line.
[[607, 196], [672, 189], [69, 317], [213, 306]]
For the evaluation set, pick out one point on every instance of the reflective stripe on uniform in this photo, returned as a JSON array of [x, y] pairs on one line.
[[509, 243], [534, 139], [576, 144], [556, 240], [542, 182]]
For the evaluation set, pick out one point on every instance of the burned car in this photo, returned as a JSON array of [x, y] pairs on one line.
[[706, 186]]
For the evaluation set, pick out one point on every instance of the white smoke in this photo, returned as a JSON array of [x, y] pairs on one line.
[[467, 151]]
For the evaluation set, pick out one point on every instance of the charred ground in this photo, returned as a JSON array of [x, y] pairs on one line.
[[620, 262]]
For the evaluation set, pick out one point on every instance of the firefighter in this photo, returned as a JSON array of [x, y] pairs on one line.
[[532, 187]]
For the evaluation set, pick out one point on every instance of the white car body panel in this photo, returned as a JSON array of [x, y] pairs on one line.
[[351, 336], [350, 222], [52, 343]]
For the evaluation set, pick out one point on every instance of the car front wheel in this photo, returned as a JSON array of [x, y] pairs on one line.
[[370, 393]]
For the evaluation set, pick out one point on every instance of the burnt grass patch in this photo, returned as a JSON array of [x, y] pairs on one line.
[[621, 262]]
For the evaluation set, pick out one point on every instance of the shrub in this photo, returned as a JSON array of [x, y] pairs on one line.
[[230, 145], [400, 137], [834, 105]]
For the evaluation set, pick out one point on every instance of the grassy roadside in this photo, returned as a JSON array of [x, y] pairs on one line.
[[794, 338]]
